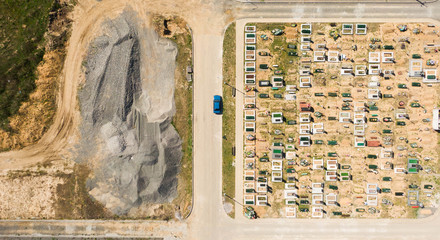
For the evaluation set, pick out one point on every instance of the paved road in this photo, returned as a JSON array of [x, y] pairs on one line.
[[208, 220], [374, 12], [207, 136]]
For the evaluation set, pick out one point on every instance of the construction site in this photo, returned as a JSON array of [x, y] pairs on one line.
[[340, 119], [130, 151]]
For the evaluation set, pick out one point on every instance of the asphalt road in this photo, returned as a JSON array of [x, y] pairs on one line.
[[207, 136], [208, 219]]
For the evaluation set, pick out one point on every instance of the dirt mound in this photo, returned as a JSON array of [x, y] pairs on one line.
[[127, 106]]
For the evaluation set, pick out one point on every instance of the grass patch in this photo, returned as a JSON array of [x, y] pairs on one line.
[[31, 63], [277, 44], [228, 127], [21, 50], [73, 200], [183, 99], [17, 174], [268, 26], [182, 120]]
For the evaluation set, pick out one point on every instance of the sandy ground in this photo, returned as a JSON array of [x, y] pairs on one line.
[[18, 201], [31, 193]]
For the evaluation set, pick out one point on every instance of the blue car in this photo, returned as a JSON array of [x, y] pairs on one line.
[[218, 104]]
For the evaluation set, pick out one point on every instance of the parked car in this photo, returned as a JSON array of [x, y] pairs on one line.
[[218, 104]]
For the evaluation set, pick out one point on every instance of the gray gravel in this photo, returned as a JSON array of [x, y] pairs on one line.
[[127, 106]]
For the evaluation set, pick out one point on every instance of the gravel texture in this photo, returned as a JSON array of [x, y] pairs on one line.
[[127, 105]]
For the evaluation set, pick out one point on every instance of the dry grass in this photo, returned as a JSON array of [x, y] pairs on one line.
[[31, 111], [73, 200], [228, 170]]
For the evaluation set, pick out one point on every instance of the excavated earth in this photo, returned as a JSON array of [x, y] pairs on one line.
[[126, 105]]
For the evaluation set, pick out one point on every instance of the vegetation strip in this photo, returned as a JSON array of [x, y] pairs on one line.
[[228, 128]]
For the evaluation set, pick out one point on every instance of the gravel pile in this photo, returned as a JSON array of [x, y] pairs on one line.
[[127, 105]]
